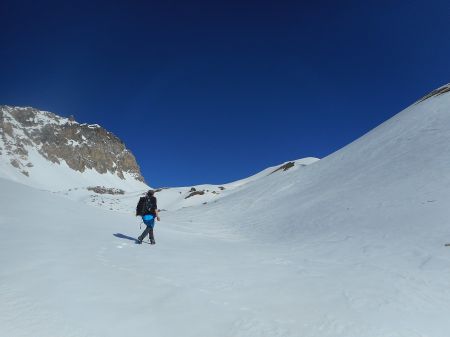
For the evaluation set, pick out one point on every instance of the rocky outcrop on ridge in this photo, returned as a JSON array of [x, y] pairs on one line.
[[439, 91], [58, 139]]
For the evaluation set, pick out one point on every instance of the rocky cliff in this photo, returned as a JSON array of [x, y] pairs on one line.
[[58, 139]]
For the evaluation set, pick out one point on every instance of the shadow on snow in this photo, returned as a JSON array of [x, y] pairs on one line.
[[123, 236]]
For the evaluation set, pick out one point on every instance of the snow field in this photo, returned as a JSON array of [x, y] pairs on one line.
[[350, 246]]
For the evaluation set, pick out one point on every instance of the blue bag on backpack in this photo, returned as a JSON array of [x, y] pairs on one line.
[[149, 220]]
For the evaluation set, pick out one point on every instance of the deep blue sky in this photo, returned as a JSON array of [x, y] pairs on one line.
[[213, 91]]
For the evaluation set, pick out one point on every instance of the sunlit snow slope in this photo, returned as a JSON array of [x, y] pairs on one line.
[[175, 198], [395, 178], [350, 246]]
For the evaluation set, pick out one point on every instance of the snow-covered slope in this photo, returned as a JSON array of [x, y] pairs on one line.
[[181, 197], [175, 198], [351, 246], [398, 171]]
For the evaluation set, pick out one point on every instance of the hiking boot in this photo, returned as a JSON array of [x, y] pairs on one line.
[[152, 242]]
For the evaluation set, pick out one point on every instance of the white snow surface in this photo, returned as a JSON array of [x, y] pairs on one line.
[[350, 246], [174, 198]]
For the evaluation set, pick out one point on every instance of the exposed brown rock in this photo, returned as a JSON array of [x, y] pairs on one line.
[[285, 167], [106, 190], [161, 189], [195, 193], [439, 91], [7, 129], [59, 139], [15, 163]]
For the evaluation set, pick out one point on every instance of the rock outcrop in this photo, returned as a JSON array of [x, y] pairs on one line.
[[58, 139]]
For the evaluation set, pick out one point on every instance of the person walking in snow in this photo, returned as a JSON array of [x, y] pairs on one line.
[[149, 211]]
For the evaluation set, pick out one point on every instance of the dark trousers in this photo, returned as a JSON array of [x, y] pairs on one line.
[[148, 230]]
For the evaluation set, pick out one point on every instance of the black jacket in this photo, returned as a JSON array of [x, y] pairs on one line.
[[154, 206]]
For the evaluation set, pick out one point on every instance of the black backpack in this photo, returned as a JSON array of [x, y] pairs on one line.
[[144, 206]]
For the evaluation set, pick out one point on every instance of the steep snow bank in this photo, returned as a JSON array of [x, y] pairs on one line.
[[396, 178]]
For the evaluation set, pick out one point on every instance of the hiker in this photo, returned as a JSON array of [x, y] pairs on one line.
[[148, 209]]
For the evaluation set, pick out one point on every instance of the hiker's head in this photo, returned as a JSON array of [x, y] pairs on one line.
[[150, 193]]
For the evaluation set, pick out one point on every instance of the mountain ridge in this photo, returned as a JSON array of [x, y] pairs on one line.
[[30, 137]]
